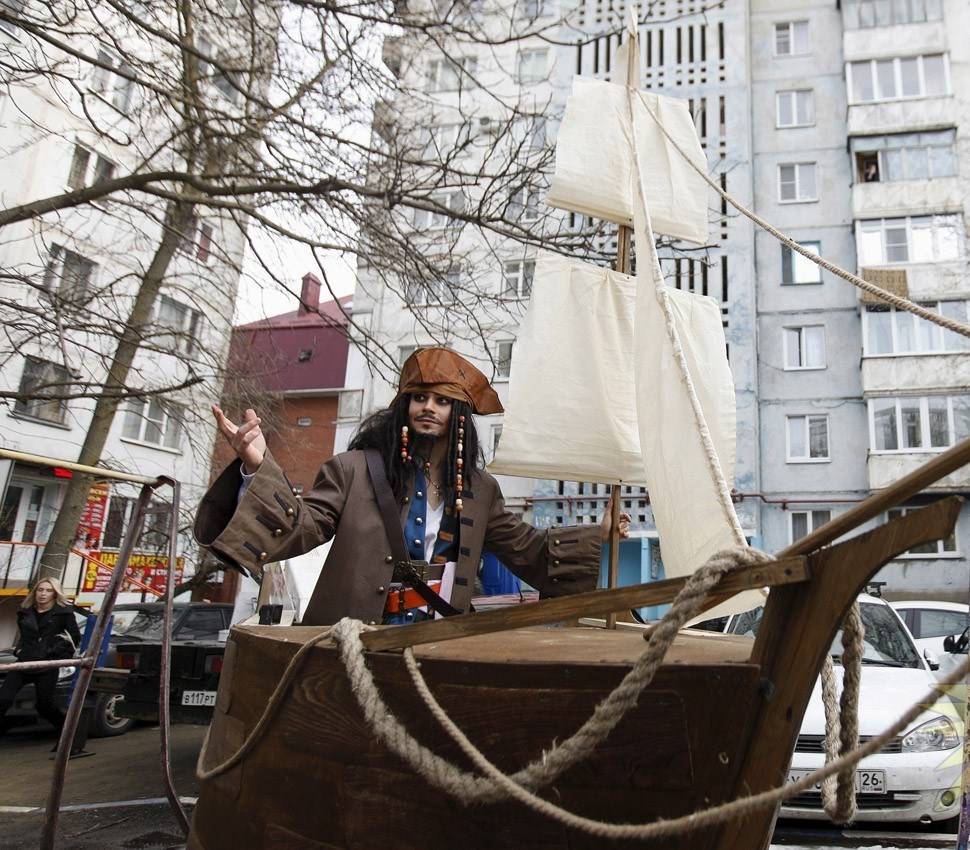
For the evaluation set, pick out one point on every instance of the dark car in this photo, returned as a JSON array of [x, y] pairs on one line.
[[197, 654], [134, 623]]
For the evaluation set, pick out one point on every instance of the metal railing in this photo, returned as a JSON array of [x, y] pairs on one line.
[[86, 662]]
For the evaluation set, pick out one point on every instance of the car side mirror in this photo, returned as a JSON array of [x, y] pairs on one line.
[[950, 643], [931, 659]]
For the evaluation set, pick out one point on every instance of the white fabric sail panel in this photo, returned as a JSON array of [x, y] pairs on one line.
[[572, 407], [595, 171], [687, 512]]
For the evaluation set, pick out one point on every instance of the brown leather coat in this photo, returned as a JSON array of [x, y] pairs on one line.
[[272, 522]]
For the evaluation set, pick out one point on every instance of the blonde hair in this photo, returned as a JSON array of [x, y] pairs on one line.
[[59, 597]]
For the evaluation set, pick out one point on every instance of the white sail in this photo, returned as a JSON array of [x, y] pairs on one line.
[[595, 172]]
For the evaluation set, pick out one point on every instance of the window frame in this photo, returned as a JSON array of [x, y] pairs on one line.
[[465, 69], [940, 335], [789, 457], [794, 257], [185, 339], [92, 166], [538, 54], [897, 61], [172, 412], [798, 166], [50, 372], [791, 38], [503, 362], [802, 347], [867, 225], [793, 93], [522, 281], [925, 446], [809, 523], [57, 283]]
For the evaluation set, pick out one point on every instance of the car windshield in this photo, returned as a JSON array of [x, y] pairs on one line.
[[886, 642], [147, 625]]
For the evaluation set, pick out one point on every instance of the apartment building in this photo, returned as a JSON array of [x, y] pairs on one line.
[[68, 285], [845, 125]]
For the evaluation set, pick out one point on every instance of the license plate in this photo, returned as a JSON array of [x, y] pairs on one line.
[[198, 697], [866, 781]]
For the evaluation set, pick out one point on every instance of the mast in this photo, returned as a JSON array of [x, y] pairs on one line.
[[624, 266]]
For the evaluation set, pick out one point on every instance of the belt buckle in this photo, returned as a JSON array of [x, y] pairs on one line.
[[421, 568]]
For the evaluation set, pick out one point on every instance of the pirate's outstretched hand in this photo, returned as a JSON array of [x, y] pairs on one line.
[[606, 525], [247, 439]]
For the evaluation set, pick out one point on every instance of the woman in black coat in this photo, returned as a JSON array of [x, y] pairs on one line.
[[47, 630]]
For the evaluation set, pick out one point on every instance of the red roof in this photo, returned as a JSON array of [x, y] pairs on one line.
[[305, 349]]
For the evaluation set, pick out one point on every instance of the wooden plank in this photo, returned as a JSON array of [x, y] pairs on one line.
[[794, 637], [600, 602], [907, 487]]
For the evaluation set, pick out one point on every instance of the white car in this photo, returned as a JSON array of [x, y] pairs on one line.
[[916, 777], [930, 622]]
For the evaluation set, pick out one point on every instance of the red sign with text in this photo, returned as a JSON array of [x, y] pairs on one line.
[[146, 568]]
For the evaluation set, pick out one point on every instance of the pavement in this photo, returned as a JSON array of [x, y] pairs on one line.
[[113, 800]]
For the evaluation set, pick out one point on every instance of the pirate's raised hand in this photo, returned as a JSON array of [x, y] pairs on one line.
[[606, 525], [246, 439]]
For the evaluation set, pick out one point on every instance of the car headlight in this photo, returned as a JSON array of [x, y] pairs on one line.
[[65, 673], [940, 733]]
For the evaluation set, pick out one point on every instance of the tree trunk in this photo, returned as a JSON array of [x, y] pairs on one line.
[[62, 536]]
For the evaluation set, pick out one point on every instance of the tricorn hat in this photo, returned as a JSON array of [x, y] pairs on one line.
[[447, 373]]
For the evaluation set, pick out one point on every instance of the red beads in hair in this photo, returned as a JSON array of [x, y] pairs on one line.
[[405, 456], [459, 464]]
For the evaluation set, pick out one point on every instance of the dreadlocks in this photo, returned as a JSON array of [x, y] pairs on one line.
[[382, 431]]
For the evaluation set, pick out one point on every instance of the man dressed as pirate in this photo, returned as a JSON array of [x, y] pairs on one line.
[[409, 507]]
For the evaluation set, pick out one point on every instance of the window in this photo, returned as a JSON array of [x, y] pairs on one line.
[[154, 533], [935, 548], [503, 360], [532, 9], [450, 74], [796, 269], [201, 625], [404, 352], [796, 182], [443, 141], [524, 205], [153, 421], [177, 326], [43, 377], [918, 423], [88, 168], [803, 523], [433, 291], [931, 623], [496, 438], [228, 82], [532, 66], [900, 77], [111, 81], [68, 274], [887, 330], [914, 239], [349, 404], [805, 347], [904, 156], [433, 219], [196, 240], [808, 438], [792, 39], [860, 14], [795, 108], [517, 279]]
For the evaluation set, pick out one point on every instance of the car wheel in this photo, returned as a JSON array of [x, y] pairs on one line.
[[106, 722]]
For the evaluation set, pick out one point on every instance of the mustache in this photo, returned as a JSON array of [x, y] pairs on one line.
[[427, 418]]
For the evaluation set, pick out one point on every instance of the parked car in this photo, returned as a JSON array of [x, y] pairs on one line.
[[197, 654], [930, 622], [916, 777], [134, 622]]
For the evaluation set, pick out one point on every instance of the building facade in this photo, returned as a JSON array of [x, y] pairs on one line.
[[69, 283], [845, 125]]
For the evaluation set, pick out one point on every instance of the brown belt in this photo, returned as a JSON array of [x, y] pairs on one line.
[[405, 598]]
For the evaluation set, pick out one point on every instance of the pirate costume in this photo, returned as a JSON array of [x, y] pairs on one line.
[[374, 574]]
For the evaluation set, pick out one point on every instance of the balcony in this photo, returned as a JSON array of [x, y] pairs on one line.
[[916, 373], [880, 42], [902, 116], [887, 468], [907, 197], [919, 281]]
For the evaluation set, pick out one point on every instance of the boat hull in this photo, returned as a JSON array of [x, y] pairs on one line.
[[319, 778]]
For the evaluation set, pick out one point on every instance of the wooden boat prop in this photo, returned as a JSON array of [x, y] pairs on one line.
[[719, 721]]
